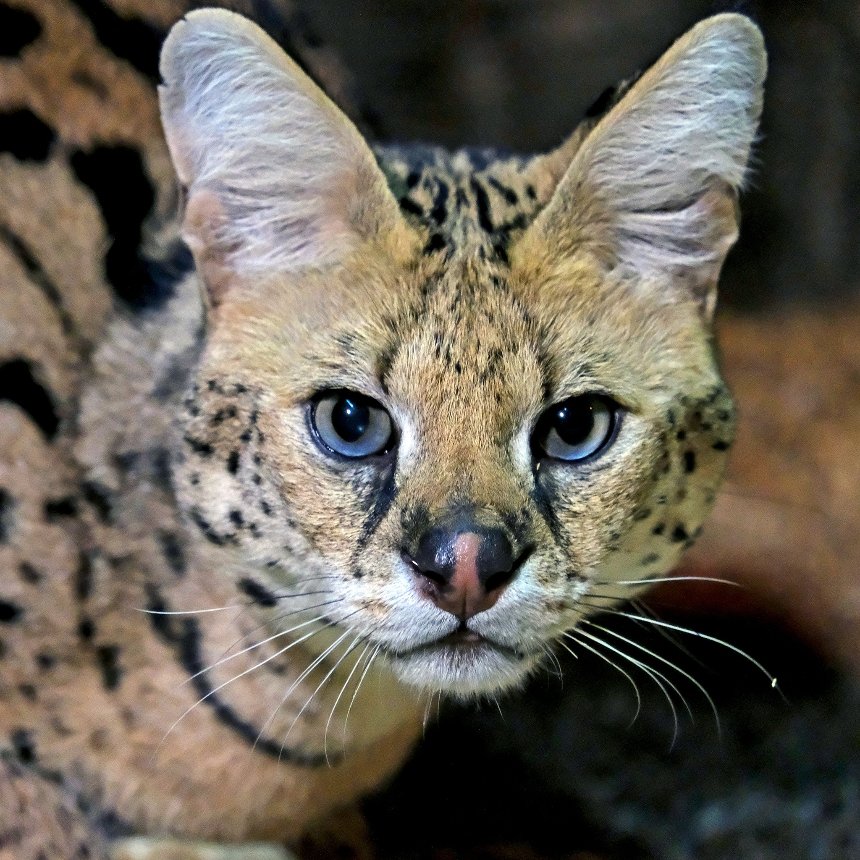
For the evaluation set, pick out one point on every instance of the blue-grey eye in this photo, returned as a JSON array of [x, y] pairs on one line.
[[576, 429], [351, 425]]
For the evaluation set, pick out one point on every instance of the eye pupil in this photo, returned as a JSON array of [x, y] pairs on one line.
[[574, 422], [350, 418]]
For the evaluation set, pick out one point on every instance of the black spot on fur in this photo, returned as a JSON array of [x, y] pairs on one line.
[[86, 629], [108, 660], [29, 574], [649, 559], [198, 446], [45, 661], [658, 529], [257, 592], [689, 461], [642, 514], [482, 202], [10, 612], [23, 745], [171, 549], [435, 243], [439, 212], [22, 133], [99, 497], [83, 577], [233, 462], [721, 445], [62, 507], [18, 28], [116, 176], [131, 39], [407, 204], [208, 532], [7, 503], [18, 385], [236, 518], [679, 534], [509, 194]]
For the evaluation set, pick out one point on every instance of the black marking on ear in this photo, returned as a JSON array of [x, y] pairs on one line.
[[7, 505], [185, 637], [131, 39], [10, 612], [18, 28], [601, 104], [117, 177], [258, 593], [19, 385], [23, 134], [108, 660]]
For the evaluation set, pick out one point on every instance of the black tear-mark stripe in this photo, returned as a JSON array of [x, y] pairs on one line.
[[27, 258], [384, 494], [184, 635]]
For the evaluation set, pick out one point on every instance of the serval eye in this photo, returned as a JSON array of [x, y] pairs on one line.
[[576, 429], [351, 425]]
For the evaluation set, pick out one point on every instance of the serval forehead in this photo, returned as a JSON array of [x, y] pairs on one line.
[[470, 202]]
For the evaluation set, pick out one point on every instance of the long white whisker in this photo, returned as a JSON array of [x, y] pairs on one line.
[[656, 676], [614, 665], [307, 672], [662, 579], [705, 636], [340, 695], [373, 656], [265, 641], [241, 675], [669, 663]]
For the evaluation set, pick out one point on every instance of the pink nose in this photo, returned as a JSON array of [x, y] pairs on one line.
[[463, 572]]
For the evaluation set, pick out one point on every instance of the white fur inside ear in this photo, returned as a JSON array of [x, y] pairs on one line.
[[683, 130], [245, 124]]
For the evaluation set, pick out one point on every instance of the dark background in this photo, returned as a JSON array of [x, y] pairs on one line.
[[521, 73]]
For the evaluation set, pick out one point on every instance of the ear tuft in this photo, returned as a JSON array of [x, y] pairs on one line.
[[289, 181], [653, 185]]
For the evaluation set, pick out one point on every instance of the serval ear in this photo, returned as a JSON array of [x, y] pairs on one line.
[[652, 188], [277, 178]]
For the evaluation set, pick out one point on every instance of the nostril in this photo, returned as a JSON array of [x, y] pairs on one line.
[[500, 578], [437, 578]]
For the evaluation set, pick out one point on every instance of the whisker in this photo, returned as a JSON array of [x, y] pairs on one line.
[[669, 578], [275, 619], [340, 695], [669, 663], [614, 665], [686, 630], [373, 656], [242, 675], [227, 659], [307, 672]]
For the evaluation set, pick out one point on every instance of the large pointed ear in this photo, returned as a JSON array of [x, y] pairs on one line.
[[276, 177], [652, 189]]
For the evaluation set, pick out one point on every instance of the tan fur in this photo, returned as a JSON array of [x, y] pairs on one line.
[[185, 479]]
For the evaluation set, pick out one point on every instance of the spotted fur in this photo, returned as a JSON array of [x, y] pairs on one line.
[[161, 460]]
